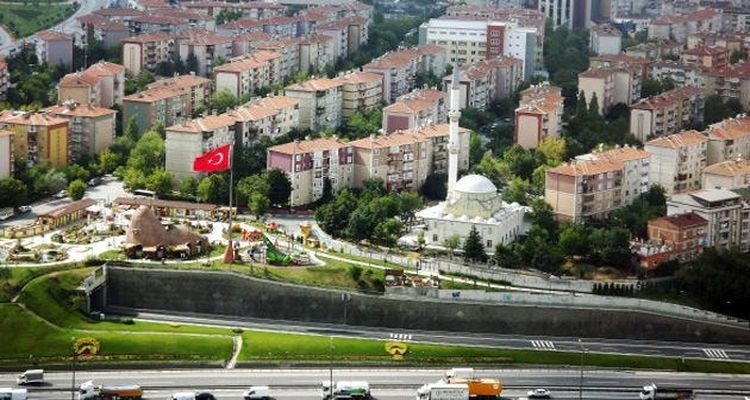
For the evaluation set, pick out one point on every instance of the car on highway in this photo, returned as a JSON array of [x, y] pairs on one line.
[[192, 396], [61, 194], [24, 209], [539, 394], [257, 393]]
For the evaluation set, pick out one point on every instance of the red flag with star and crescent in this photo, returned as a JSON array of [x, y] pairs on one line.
[[213, 161]]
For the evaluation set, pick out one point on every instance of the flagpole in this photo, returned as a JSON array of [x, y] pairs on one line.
[[229, 253]]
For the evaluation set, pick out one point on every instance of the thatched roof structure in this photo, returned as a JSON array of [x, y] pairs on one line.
[[146, 230]]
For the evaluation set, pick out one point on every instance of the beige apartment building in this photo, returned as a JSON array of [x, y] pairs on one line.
[[165, 105], [400, 68], [269, 116], [245, 75], [91, 129], [101, 85], [611, 86], [310, 163], [190, 139], [539, 115], [666, 113], [582, 190], [404, 159], [7, 157], [320, 101], [198, 88], [361, 91], [731, 83], [729, 174], [419, 108], [147, 51], [477, 85], [635, 172], [677, 161], [207, 47], [728, 139], [288, 52]]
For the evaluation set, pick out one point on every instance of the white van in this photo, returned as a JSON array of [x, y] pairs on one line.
[[257, 392], [31, 376], [12, 394]]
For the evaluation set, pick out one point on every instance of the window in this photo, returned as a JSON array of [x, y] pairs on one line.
[[489, 244], [434, 237]]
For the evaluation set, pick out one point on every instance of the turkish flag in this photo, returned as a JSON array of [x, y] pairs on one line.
[[213, 161]]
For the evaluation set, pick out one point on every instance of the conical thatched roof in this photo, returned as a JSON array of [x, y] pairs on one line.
[[146, 229]]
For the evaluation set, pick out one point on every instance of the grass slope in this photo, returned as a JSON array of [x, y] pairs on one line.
[[26, 19]]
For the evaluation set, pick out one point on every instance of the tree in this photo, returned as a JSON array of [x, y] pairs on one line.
[[191, 64], [252, 184], [222, 101], [75, 171], [258, 203], [327, 195], [158, 127], [131, 129], [13, 192], [333, 217], [108, 161], [188, 186], [280, 187], [476, 149], [553, 150], [573, 239], [716, 110], [737, 56], [76, 189], [388, 232], [51, 182], [452, 242], [213, 189], [474, 247], [148, 153], [374, 186], [409, 204], [516, 191], [435, 186], [507, 256], [363, 124], [160, 181]]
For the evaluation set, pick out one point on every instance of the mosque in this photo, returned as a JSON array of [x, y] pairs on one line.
[[472, 201]]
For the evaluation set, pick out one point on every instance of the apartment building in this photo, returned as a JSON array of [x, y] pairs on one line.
[[315, 52], [728, 139], [123, 15], [349, 34], [288, 51], [666, 113], [320, 101], [37, 136], [677, 161], [310, 163], [421, 107], [273, 117], [7, 154], [147, 51], [679, 73], [198, 88], [91, 129], [731, 83], [605, 40], [582, 190], [635, 173], [621, 61], [96, 28], [360, 91], [165, 105], [684, 235], [54, 48], [599, 83], [725, 211], [251, 10], [729, 174], [476, 85], [539, 115], [679, 27], [655, 50], [245, 75], [400, 68], [706, 56], [404, 159], [4, 79], [187, 140], [244, 43], [206, 46], [732, 40], [101, 85], [157, 23]]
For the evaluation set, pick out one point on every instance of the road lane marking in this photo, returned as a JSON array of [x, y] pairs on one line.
[[715, 353], [543, 345]]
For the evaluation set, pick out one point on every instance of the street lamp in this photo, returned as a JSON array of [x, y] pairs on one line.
[[73, 376], [580, 380], [330, 369]]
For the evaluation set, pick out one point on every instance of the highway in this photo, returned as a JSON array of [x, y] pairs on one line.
[[393, 384], [717, 352]]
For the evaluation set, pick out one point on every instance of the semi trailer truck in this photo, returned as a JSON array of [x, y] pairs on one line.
[[443, 391], [653, 392], [90, 391], [345, 390]]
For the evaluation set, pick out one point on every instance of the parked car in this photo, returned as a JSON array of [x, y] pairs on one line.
[[95, 181], [257, 393], [24, 209], [539, 394], [61, 194]]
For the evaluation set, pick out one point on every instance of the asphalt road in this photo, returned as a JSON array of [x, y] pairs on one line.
[[391, 383], [109, 190], [541, 343]]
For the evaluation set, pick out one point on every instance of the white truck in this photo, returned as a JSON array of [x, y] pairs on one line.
[[345, 390], [12, 394], [653, 392], [90, 391], [459, 373], [30, 376], [443, 391], [6, 213], [257, 393]]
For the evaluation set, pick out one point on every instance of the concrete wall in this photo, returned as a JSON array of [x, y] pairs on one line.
[[231, 294]]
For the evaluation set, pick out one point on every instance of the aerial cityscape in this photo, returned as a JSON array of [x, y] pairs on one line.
[[374, 199]]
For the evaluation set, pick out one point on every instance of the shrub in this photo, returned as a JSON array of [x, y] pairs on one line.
[[355, 272], [127, 320]]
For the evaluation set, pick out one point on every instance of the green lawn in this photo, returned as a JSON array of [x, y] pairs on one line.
[[30, 336], [26, 19], [13, 279]]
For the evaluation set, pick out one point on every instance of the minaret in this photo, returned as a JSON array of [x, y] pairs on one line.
[[453, 142]]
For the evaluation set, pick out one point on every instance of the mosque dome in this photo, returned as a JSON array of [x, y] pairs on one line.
[[475, 184]]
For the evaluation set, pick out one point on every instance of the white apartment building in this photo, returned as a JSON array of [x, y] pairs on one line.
[[729, 139], [605, 40], [726, 213], [680, 73], [730, 174], [320, 101], [186, 141], [269, 116], [677, 161], [246, 74]]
